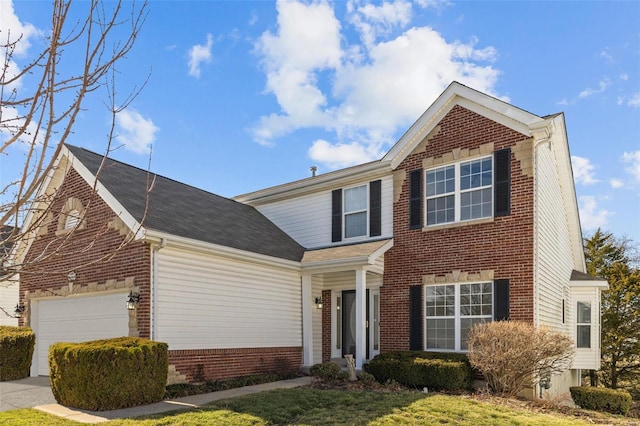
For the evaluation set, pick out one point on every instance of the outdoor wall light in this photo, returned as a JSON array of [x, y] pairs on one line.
[[71, 277], [132, 300], [318, 302], [19, 311]]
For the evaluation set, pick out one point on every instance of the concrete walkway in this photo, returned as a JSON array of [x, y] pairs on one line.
[[25, 393], [195, 401]]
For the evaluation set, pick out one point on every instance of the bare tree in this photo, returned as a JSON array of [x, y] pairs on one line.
[[40, 101]]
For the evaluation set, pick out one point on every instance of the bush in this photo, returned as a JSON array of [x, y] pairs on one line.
[[513, 355], [108, 374], [326, 371], [601, 399], [16, 352], [423, 369]]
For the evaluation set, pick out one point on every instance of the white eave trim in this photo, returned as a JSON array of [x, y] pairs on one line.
[[458, 94], [349, 263], [170, 240], [602, 284], [367, 171]]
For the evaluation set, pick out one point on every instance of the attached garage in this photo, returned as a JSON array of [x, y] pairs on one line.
[[75, 319]]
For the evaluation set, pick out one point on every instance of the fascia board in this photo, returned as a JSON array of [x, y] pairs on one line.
[[589, 284], [368, 171], [183, 243], [380, 251], [458, 94], [103, 192]]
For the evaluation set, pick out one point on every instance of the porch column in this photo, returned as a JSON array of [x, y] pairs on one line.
[[307, 326], [361, 317]]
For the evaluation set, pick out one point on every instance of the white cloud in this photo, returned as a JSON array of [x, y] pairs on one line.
[[591, 215], [199, 54], [616, 183], [583, 170], [319, 82], [341, 155], [602, 86], [372, 21], [135, 132], [632, 160], [14, 31], [634, 100]]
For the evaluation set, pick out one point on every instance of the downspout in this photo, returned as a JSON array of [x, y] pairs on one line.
[[153, 290]]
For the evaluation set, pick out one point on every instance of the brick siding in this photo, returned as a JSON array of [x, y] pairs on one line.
[[504, 245], [219, 364], [84, 246]]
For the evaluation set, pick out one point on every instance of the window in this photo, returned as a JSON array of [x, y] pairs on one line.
[[583, 332], [451, 311], [460, 192], [355, 211], [73, 217]]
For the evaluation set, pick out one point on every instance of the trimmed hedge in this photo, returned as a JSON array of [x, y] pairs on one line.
[[16, 352], [423, 369], [601, 399], [108, 374], [326, 371]]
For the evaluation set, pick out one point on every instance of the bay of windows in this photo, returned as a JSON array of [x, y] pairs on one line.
[[583, 332], [459, 192], [451, 311]]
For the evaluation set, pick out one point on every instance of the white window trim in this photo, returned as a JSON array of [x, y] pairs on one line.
[[589, 324], [345, 214], [457, 192], [456, 317]]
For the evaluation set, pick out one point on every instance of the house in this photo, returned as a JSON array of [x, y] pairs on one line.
[[470, 217], [8, 282]]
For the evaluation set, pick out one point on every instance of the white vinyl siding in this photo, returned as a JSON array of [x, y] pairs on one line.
[[587, 358], [208, 301], [307, 219], [316, 291], [554, 261], [8, 301]]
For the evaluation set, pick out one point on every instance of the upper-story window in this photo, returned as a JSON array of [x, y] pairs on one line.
[[355, 211], [459, 192]]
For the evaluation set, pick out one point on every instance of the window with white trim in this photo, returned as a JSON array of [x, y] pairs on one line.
[[451, 311], [459, 192], [583, 325], [355, 211]]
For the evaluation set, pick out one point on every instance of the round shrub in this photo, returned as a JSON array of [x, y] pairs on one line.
[[108, 374], [326, 371], [16, 352]]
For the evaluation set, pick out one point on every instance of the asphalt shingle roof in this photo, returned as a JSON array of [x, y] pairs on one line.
[[186, 211]]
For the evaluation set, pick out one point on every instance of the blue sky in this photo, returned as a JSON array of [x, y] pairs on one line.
[[244, 95]]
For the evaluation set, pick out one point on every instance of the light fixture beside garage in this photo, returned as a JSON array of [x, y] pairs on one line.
[[132, 300], [318, 302], [19, 311]]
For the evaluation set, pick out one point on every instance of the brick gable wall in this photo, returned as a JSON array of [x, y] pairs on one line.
[[97, 239], [503, 245]]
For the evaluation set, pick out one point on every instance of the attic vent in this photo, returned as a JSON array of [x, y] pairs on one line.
[[314, 169]]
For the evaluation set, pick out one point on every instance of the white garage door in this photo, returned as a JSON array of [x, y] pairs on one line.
[[78, 319]]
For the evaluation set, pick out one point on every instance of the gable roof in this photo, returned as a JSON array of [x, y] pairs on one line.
[[179, 209]]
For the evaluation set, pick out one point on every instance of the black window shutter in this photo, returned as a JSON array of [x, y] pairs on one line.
[[415, 199], [415, 318], [375, 208], [502, 189], [500, 300], [336, 215]]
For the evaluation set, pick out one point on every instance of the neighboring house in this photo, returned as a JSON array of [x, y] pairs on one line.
[[8, 286], [470, 217]]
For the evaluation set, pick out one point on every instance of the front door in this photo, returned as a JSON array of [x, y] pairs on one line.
[[349, 322]]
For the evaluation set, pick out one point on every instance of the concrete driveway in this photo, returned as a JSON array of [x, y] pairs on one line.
[[25, 393]]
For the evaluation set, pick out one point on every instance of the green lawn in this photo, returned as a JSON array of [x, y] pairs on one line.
[[306, 406]]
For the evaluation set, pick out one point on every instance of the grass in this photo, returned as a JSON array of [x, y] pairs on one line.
[[338, 407]]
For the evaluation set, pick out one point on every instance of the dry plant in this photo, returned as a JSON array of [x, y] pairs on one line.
[[40, 100], [513, 355]]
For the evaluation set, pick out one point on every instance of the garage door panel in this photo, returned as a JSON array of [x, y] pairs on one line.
[[79, 319]]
